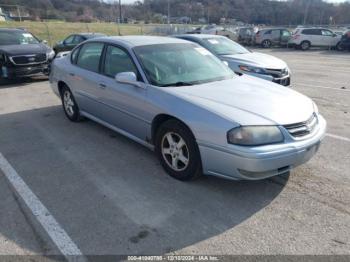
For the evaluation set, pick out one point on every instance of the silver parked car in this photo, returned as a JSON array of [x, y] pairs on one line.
[[243, 61], [272, 36], [177, 98]]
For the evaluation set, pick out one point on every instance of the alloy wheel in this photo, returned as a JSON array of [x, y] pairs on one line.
[[175, 151], [68, 103]]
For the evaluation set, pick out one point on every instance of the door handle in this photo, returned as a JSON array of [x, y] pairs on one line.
[[71, 74], [103, 86]]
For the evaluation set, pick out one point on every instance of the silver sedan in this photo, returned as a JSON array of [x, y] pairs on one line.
[[179, 99], [242, 60]]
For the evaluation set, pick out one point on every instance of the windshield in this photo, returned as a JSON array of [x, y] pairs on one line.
[[17, 38], [180, 64], [224, 46]]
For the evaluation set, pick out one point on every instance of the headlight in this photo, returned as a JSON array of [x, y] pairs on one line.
[[254, 135], [252, 69], [50, 55]]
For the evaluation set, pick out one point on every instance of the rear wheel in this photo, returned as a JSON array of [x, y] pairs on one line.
[[305, 45], [177, 151], [69, 104], [266, 43]]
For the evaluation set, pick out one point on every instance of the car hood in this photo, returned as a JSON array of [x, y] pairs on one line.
[[249, 101], [13, 50], [257, 60]]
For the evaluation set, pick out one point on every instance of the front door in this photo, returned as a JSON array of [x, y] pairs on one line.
[[124, 104]]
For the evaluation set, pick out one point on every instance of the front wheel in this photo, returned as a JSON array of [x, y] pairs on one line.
[[177, 151], [70, 106], [339, 47], [305, 45], [266, 44]]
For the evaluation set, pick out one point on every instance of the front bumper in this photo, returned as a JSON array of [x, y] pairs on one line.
[[285, 80], [13, 72], [247, 163]]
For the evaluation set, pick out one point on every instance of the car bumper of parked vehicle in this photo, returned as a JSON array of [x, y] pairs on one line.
[[246, 163], [9, 72], [285, 80]]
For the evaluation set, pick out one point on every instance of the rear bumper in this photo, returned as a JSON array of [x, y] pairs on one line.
[[245, 163], [24, 71]]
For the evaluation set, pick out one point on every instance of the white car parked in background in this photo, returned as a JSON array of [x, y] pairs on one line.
[[305, 38]]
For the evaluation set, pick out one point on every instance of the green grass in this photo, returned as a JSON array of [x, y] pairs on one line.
[[56, 31]]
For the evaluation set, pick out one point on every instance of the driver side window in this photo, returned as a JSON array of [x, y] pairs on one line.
[[117, 61], [327, 33], [69, 40]]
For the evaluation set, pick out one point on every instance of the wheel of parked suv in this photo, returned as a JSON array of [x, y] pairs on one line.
[[177, 151], [305, 45], [339, 47], [70, 106], [266, 44]]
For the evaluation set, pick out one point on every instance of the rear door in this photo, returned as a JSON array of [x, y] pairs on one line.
[[85, 77], [275, 36], [318, 39], [285, 36]]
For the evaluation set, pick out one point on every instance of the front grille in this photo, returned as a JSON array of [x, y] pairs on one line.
[[29, 59], [277, 73], [303, 128]]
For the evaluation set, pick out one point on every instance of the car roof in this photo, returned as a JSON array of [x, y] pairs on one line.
[[134, 41], [273, 28], [198, 36], [90, 34], [315, 27], [13, 29]]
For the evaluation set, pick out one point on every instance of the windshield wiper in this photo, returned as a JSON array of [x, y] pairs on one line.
[[178, 84]]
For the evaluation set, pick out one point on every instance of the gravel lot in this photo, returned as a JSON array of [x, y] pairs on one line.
[[111, 196]]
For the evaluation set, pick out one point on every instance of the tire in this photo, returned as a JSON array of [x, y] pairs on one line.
[[305, 45], [172, 156], [266, 43], [339, 47], [70, 106]]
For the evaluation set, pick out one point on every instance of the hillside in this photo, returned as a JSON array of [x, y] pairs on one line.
[[270, 12]]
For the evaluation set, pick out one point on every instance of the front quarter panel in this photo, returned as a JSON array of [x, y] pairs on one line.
[[206, 126]]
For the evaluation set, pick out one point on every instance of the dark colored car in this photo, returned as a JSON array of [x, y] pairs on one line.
[[22, 55], [73, 40], [345, 42]]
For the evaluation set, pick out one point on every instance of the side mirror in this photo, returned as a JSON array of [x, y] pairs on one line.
[[128, 78], [44, 42]]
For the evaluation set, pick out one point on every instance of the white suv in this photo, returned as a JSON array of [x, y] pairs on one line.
[[305, 38]]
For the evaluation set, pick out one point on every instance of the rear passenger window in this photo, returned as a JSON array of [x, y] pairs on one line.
[[268, 32], [89, 56], [117, 61]]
